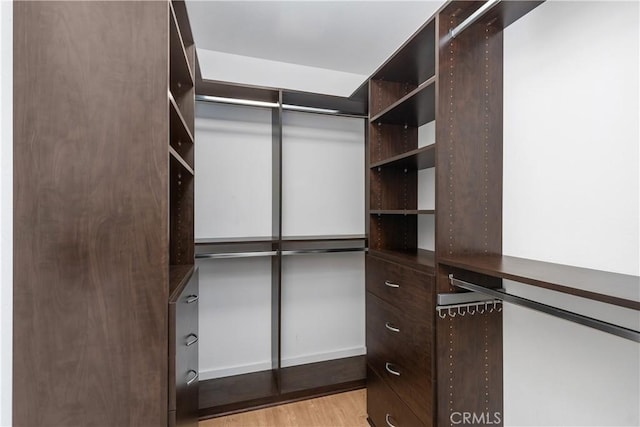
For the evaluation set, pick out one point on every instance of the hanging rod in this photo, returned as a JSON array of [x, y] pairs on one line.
[[236, 254], [553, 311], [266, 104], [454, 32], [322, 251]]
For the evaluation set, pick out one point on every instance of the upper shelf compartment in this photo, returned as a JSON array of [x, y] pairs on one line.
[[416, 108], [181, 77], [407, 69]]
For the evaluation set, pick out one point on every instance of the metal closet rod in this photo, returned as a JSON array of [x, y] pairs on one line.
[[274, 253], [266, 104], [454, 32], [553, 311]]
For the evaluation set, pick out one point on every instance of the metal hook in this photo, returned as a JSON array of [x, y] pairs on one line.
[[441, 314], [461, 313], [483, 308], [471, 309], [451, 313], [490, 308], [500, 308]]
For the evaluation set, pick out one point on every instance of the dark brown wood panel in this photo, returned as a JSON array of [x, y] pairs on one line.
[[389, 140], [415, 109], [469, 367], [469, 135], [385, 93], [181, 214], [384, 406], [393, 188], [394, 233], [420, 158], [90, 213], [418, 259]]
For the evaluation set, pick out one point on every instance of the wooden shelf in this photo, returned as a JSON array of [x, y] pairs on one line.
[[177, 119], [240, 246], [420, 158], [414, 61], [240, 393], [581, 282], [414, 109], [326, 243], [419, 259], [179, 275], [402, 211], [180, 74], [180, 160]]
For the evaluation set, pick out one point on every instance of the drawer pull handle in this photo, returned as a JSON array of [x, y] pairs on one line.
[[391, 284], [192, 298], [195, 376], [388, 366], [390, 327], [387, 418], [193, 340]]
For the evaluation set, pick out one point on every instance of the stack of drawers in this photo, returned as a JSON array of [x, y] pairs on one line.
[[183, 354], [399, 345]]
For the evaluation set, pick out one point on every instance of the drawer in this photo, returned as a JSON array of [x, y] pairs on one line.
[[412, 385], [183, 355], [407, 289], [385, 408], [396, 336]]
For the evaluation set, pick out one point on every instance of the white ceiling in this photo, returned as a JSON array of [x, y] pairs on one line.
[[348, 36]]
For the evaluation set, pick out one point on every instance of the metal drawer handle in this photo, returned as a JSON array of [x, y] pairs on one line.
[[391, 284], [388, 366], [192, 298], [387, 418], [390, 327], [195, 376], [192, 340]]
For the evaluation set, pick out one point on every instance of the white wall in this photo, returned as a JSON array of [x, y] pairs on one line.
[[233, 171], [571, 189], [262, 72], [6, 208], [323, 193]]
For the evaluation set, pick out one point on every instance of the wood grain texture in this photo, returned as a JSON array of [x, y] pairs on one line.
[[388, 140], [338, 410], [90, 213], [469, 135], [240, 393], [384, 93], [384, 405]]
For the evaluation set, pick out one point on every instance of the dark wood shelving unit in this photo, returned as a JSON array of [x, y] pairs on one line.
[[414, 109], [240, 245], [240, 393], [418, 159], [133, 252], [581, 282]]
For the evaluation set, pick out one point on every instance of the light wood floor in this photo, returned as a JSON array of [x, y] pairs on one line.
[[338, 410]]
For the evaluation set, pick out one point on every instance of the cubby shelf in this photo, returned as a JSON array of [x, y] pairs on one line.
[[177, 122], [414, 109], [180, 160], [180, 71], [420, 158]]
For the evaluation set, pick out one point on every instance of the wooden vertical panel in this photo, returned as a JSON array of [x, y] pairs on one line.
[[388, 140], [276, 261], [469, 135], [384, 93], [469, 210], [90, 213], [181, 186]]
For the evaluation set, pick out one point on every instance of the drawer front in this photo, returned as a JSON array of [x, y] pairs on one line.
[[396, 336], [385, 409], [405, 288], [186, 360]]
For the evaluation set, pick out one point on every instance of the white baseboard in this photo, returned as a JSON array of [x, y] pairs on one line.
[[208, 374]]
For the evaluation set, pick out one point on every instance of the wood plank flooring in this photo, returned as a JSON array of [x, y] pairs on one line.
[[338, 410]]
